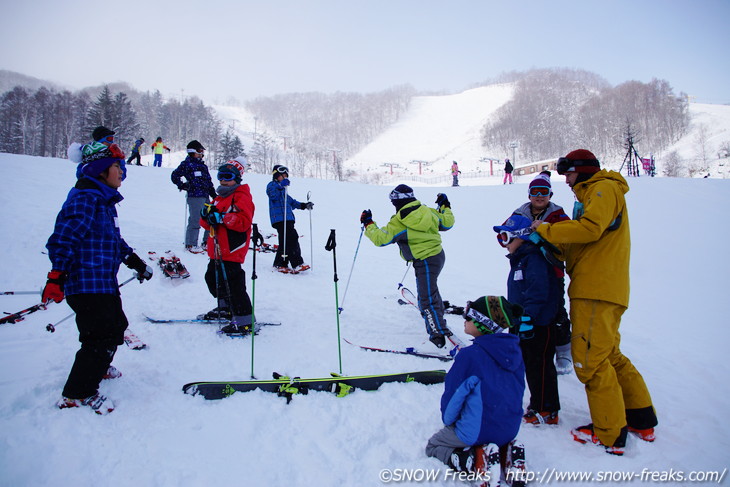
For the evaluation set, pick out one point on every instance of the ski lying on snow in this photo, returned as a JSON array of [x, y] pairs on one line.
[[289, 386], [202, 322], [406, 351]]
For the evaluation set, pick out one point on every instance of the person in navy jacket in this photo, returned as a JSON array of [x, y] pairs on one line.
[[533, 284], [482, 399], [199, 187]]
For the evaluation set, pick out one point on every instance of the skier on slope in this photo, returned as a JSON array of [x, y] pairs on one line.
[[85, 250], [415, 228], [228, 220], [281, 206]]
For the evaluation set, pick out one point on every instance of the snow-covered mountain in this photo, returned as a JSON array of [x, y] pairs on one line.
[[675, 331], [441, 129]]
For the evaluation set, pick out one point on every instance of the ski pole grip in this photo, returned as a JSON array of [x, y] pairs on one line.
[[331, 242]]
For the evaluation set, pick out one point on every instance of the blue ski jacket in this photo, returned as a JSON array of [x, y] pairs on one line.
[[533, 284], [86, 242], [197, 178], [277, 208], [483, 391]]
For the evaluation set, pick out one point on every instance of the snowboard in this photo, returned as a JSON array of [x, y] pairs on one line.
[[288, 387]]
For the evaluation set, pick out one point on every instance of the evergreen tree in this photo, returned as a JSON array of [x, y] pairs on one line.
[[230, 148]]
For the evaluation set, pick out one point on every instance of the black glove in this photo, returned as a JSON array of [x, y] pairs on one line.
[[256, 237], [183, 187], [306, 206], [442, 200], [211, 214], [144, 272], [366, 218]]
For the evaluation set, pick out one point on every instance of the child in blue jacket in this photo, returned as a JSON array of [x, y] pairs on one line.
[[482, 401], [533, 284]]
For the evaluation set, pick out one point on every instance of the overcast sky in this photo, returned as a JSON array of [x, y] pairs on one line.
[[249, 48]]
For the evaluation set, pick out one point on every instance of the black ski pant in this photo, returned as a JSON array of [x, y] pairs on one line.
[[101, 323], [429, 298], [538, 353], [135, 155], [227, 280], [293, 251]]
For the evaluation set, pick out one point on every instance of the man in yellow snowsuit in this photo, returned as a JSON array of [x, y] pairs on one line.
[[415, 228], [596, 246]]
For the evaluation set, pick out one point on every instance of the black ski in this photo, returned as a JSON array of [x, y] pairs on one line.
[[406, 351], [290, 386]]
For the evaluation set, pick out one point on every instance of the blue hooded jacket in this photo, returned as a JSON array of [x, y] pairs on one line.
[[276, 192], [86, 242], [483, 391]]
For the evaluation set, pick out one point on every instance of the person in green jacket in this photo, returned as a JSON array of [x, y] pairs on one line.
[[415, 228]]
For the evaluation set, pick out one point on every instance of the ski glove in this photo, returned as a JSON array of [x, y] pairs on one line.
[[366, 218], [54, 287], [143, 271], [285, 182], [210, 214], [306, 206], [442, 200], [183, 187]]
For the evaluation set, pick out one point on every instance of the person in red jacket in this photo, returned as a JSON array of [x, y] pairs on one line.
[[228, 221]]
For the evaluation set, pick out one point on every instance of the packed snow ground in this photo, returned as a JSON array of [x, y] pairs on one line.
[[675, 331]]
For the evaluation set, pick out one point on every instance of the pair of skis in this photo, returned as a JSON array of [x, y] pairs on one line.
[[170, 265], [289, 387], [208, 322]]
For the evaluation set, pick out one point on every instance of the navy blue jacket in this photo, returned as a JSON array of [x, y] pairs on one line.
[[275, 191], [197, 178], [532, 284], [86, 242], [483, 391]]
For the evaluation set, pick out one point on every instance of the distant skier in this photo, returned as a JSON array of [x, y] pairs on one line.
[[415, 228], [135, 152], [455, 173], [157, 149], [508, 168]]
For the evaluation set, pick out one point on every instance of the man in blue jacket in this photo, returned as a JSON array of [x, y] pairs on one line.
[[482, 401]]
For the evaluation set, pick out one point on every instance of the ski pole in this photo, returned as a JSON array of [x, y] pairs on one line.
[[256, 236], [185, 221], [311, 246], [52, 326], [10, 293], [331, 244], [283, 250], [408, 267], [352, 268]]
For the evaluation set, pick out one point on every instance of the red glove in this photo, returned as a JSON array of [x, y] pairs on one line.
[[54, 287]]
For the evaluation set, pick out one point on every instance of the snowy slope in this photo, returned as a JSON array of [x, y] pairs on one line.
[[675, 332]]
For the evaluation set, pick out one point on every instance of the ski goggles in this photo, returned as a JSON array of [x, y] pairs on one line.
[[109, 139], [505, 237], [539, 191], [483, 322], [281, 170], [226, 176]]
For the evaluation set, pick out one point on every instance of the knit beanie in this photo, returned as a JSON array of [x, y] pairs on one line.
[[493, 314], [542, 180], [581, 161], [97, 157], [401, 196], [230, 167], [100, 132]]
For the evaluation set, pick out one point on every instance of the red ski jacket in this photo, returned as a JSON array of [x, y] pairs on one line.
[[234, 234]]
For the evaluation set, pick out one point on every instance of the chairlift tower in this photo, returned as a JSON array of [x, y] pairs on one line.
[[391, 165], [420, 165]]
